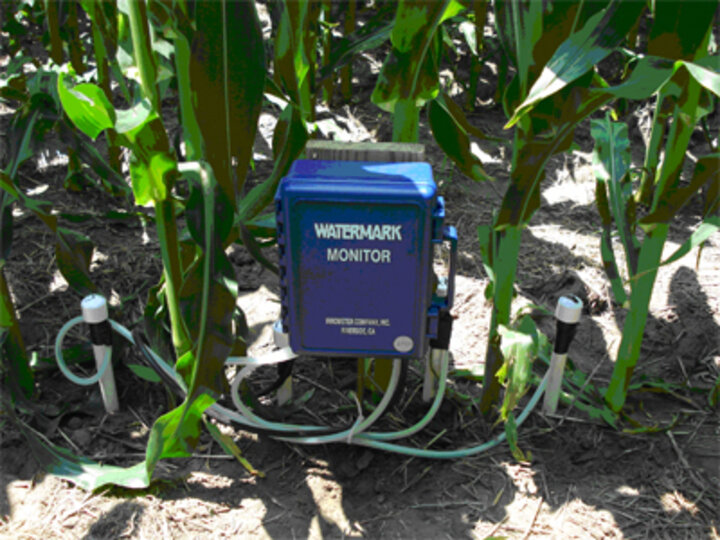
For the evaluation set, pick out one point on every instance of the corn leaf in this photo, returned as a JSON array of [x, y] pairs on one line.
[[145, 373], [151, 159], [611, 162], [289, 140], [74, 252], [531, 153], [129, 120], [79, 470], [580, 52], [295, 52], [352, 46], [410, 71], [452, 136], [13, 356], [520, 27], [227, 444], [679, 28], [227, 75], [511, 435], [87, 107], [706, 229], [6, 226], [706, 72], [176, 432], [707, 170], [205, 302], [142, 51], [519, 348], [648, 75], [89, 155]]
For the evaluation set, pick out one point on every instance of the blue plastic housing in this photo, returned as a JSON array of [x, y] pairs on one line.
[[356, 252]]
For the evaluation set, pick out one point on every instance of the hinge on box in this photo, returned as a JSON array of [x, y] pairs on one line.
[[438, 217]]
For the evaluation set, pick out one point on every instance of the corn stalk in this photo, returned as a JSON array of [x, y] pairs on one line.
[[219, 76], [680, 85], [554, 52]]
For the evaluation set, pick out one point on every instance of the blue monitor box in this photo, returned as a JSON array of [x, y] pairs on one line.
[[356, 257]]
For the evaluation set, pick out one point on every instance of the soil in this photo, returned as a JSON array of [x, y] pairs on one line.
[[584, 479]]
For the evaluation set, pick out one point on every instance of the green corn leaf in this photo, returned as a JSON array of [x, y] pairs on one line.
[[129, 120], [176, 433], [13, 356], [151, 163], [683, 94], [649, 74], [531, 152], [294, 53], [79, 470], [611, 267], [520, 27], [459, 117], [410, 70], [611, 162], [519, 350], [207, 304], [227, 77], [74, 252], [148, 177], [145, 373], [706, 72], [679, 29], [707, 170], [6, 226], [486, 236], [21, 138], [353, 45], [252, 245], [453, 138], [231, 449], [289, 140], [263, 226], [90, 156], [511, 435], [634, 326], [686, 113], [145, 58], [87, 107], [580, 52], [707, 228]]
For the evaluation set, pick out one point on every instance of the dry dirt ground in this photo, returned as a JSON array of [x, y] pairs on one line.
[[585, 479]]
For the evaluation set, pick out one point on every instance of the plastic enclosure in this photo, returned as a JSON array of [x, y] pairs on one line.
[[356, 254]]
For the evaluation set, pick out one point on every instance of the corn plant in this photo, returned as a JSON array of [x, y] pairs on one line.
[[409, 76], [683, 77], [554, 48], [36, 115], [217, 77]]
